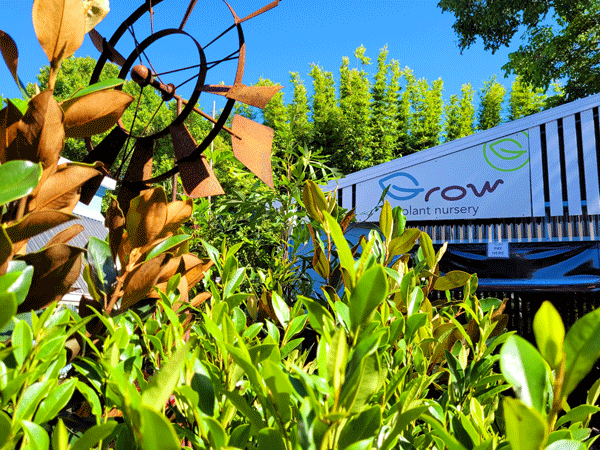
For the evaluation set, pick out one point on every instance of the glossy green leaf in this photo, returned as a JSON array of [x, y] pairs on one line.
[[162, 384], [451, 280], [36, 435], [566, 444], [295, 326], [364, 426], [5, 427], [157, 432], [386, 220], [167, 244], [439, 430], [413, 323], [18, 179], [319, 317], [404, 243], [549, 333], [55, 401], [19, 103], [202, 384], [8, 308], [243, 407], [582, 349], [525, 369], [18, 279], [22, 341], [99, 86], [525, 427], [337, 357], [91, 396], [103, 269], [270, 439], [426, 246], [216, 433], [341, 245], [414, 301], [578, 414], [60, 437], [94, 435], [370, 290], [282, 311], [314, 201]]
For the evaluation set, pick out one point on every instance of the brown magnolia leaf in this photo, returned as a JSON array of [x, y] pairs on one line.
[[55, 270], [200, 298], [85, 310], [95, 11], [115, 222], [140, 168], [10, 53], [178, 213], [140, 282], [501, 324], [146, 217], [66, 202], [35, 223], [65, 235], [9, 119], [40, 134], [190, 266], [67, 178], [94, 113], [59, 26]]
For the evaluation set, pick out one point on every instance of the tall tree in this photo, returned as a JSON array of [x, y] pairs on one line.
[[425, 120], [325, 111], [524, 99], [561, 39], [460, 114], [491, 98], [298, 112]]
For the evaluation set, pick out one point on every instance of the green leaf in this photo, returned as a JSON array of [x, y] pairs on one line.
[[157, 432], [281, 309], [525, 427], [295, 326], [314, 201], [5, 427], [243, 407], [566, 444], [22, 342], [549, 333], [582, 349], [202, 384], [55, 401], [162, 385], [19, 103], [386, 220], [270, 439], [36, 435], [370, 290], [403, 243], [440, 430], [8, 307], [414, 301], [413, 323], [102, 265], [19, 275], [580, 413], [60, 437], [452, 280], [318, 315], [99, 86], [216, 433], [167, 244], [525, 369], [426, 246], [337, 358], [94, 435], [364, 426], [18, 179], [341, 245]]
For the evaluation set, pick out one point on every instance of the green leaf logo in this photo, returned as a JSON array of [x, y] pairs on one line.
[[506, 154]]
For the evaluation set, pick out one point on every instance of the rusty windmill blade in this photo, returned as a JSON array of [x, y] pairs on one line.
[[258, 12], [196, 176], [257, 96], [103, 45], [106, 152], [139, 169], [252, 147]]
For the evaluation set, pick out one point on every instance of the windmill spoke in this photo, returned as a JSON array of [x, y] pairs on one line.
[[189, 10], [219, 36], [137, 44], [135, 113], [151, 17], [230, 57]]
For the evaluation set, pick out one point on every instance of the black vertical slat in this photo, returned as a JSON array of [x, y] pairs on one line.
[[545, 168], [581, 166], [340, 196], [353, 196], [563, 164]]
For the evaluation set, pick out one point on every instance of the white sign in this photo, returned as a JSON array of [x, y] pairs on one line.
[[490, 180], [498, 250]]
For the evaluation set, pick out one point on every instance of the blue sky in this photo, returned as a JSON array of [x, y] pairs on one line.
[[288, 39]]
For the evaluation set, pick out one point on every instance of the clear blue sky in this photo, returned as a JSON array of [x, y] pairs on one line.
[[291, 37]]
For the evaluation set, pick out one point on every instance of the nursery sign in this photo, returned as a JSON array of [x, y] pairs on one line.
[[489, 180]]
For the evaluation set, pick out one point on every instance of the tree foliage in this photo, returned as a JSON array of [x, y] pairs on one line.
[[560, 39]]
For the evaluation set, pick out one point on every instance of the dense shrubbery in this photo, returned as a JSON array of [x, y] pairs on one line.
[[368, 362]]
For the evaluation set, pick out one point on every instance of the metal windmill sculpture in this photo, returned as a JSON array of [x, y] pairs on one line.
[[251, 142]]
